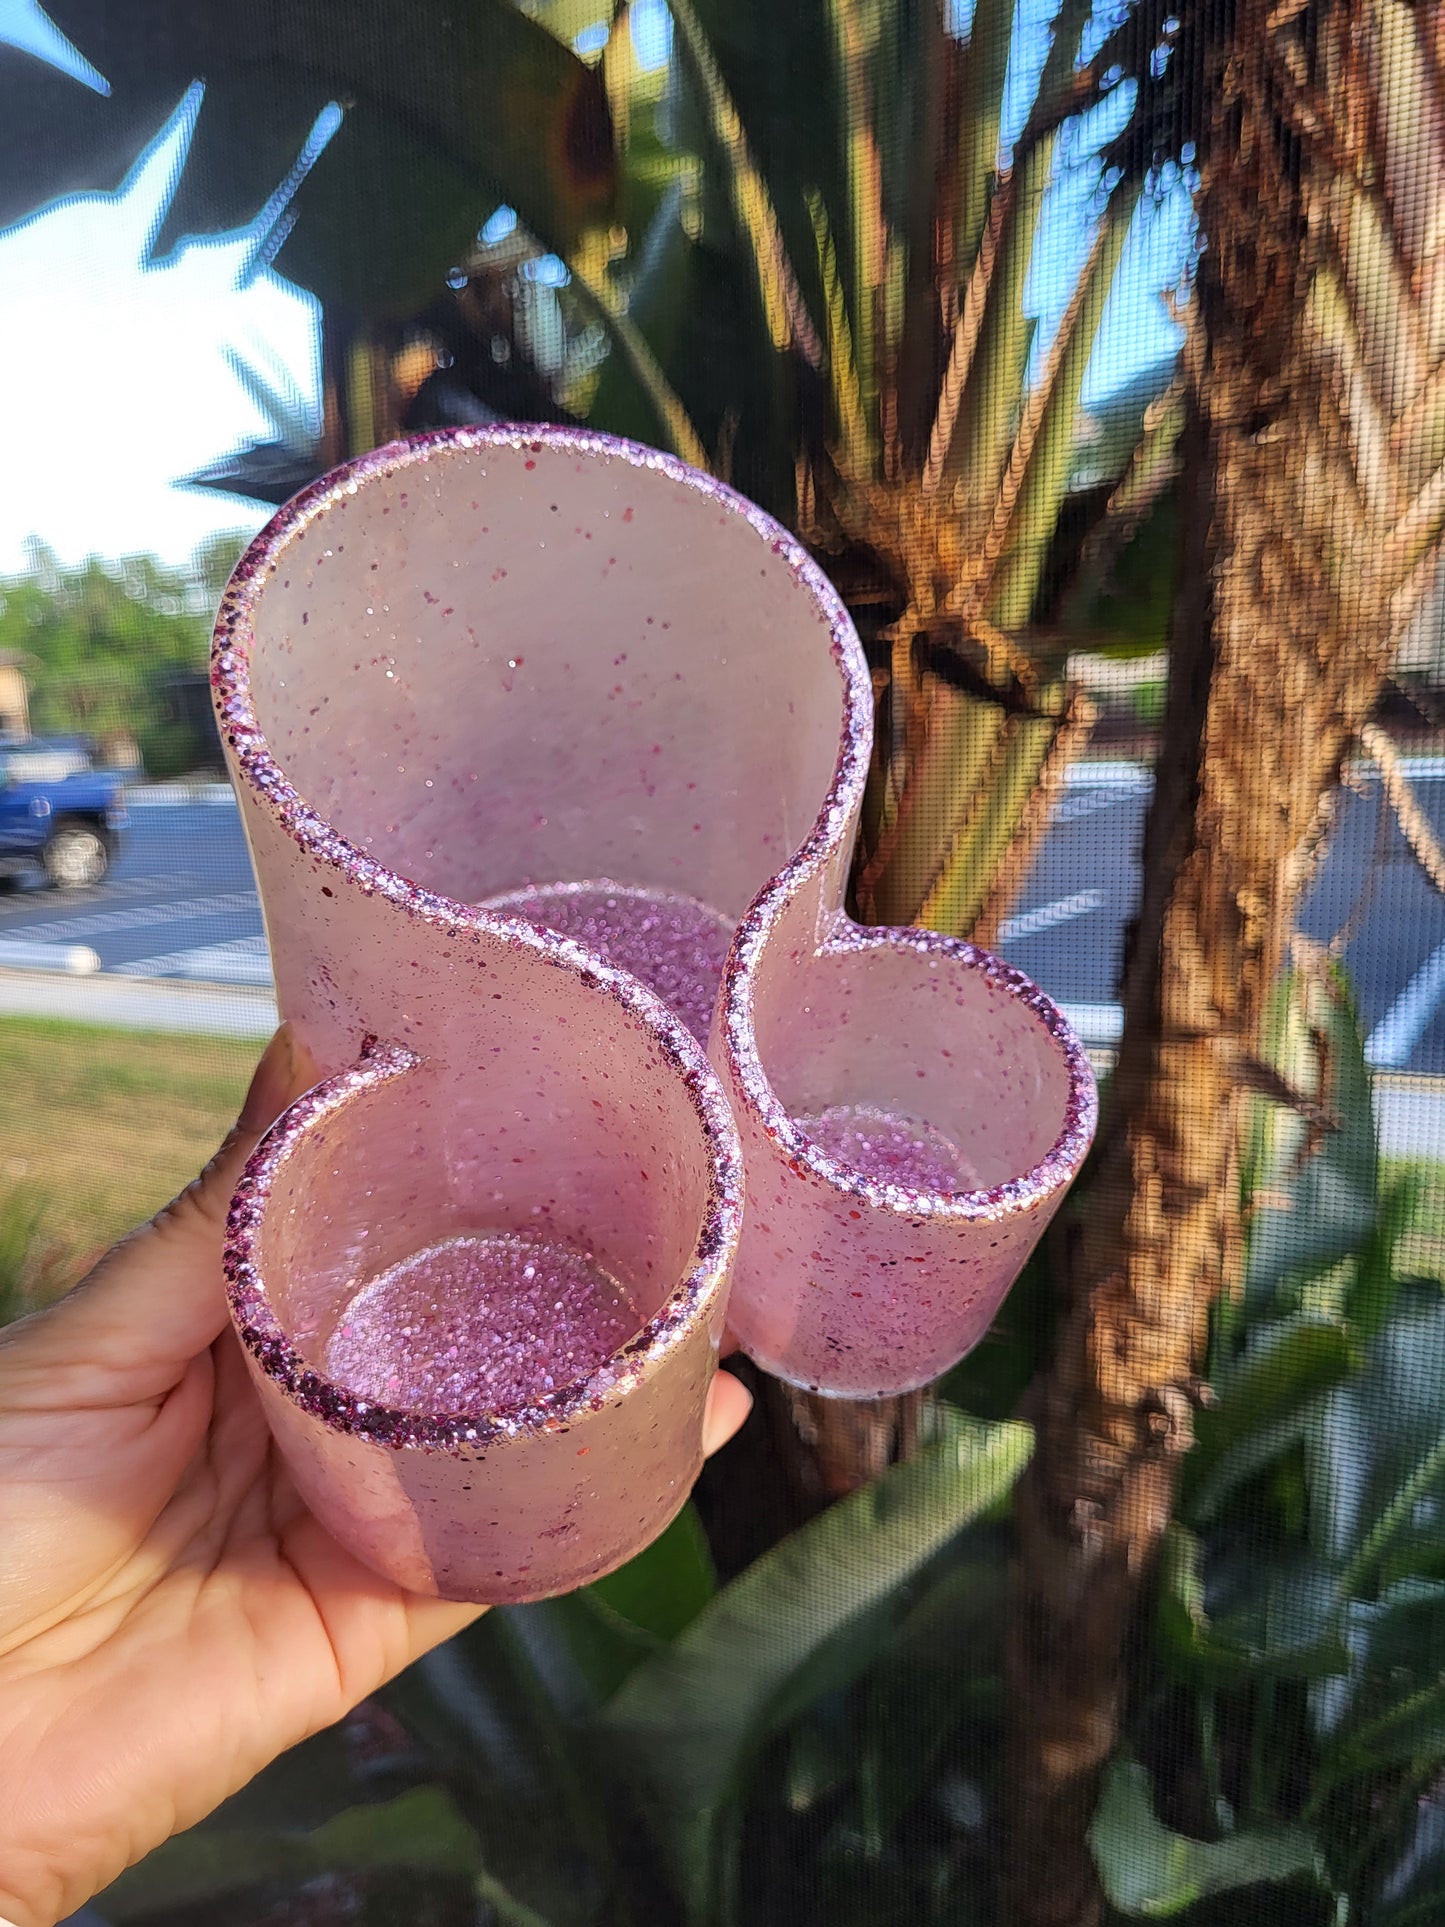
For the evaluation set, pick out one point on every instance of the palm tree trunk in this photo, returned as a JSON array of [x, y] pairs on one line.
[[1290, 590]]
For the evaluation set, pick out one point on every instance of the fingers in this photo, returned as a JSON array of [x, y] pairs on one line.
[[728, 1403], [286, 1070], [156, 1301]]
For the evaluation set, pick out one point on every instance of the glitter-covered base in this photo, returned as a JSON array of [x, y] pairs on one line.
[[673, 943], [481, 1324], [890, 1148]]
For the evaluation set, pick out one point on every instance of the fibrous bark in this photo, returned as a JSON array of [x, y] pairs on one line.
[[1308, 479]]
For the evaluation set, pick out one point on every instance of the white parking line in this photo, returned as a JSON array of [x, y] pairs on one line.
[[103, 923], [243, 961], [1100, 1026], [112, 892], [1391, 1044], [1116, 775], [1077, 803], [1049, 915], [78, 959], [172, 796]]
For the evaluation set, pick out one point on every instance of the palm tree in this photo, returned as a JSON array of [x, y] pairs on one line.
[[1314, 506], [827, 306], [854, 193]]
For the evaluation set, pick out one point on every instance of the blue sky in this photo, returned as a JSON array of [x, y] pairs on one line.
[[159, 392]]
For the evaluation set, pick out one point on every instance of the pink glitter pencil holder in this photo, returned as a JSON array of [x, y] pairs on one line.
[[541, 674]]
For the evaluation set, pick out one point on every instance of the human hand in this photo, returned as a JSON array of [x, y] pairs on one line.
[[171, 1615]]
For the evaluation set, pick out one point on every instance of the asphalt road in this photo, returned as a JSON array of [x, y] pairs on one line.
[[1068, 933], [180, 904]]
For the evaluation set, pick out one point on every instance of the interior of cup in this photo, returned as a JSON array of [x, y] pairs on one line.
[[893, 1043], [385, 1163], [494, 664]]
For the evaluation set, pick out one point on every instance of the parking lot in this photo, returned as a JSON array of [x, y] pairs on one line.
[[180, 907]]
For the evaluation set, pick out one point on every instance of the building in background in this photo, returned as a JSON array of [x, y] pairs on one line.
[[14, 694]]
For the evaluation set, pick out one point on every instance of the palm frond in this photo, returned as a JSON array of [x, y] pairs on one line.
[[854, 441], [1037, 475], [964, 344], [788, 321], [1152, 467], [865, 227], [980, 114], [984, 431], [629, 341]]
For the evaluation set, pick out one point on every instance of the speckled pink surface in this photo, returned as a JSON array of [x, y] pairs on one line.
[[532, 664]]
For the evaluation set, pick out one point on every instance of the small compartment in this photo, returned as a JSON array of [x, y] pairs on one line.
[[910, 1065], [416, 1217]]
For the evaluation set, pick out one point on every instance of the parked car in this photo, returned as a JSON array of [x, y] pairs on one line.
[[58, 810]]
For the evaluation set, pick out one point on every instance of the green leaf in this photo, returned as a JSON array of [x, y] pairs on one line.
[[421, 1830], [991, 1380], [691, 1716], [1312, 1208], [775, 65], [503, 1710], [1410, 1217], [944, 1663], [1404, 1631], [1409, 1733], [1390, 1712], [1259, 1406], [447, 109], [850, 423], [976, 854], [1149, 1872], [697, 371], [635, 396], [1052, 414], [985, 69], [666, 1586], [579, 1648], [1413, 1892], [1279, 1619], [1376, 1447], [788, 322]]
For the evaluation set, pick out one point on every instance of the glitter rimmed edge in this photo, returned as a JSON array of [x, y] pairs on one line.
[[693, 1298], [230, 663]]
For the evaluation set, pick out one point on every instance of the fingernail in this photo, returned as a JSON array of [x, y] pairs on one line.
[[272, 1083], [728, 1405]]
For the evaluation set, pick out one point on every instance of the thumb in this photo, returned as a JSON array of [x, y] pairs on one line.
[[286, 1069], [157, 1300]]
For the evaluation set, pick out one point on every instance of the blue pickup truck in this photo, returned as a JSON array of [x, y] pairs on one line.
[[58, 810]]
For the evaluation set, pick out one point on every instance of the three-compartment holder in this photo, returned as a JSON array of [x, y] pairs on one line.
[[550, 753]]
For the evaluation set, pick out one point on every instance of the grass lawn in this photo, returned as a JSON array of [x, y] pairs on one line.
[[1420, 1251], [99, 1129]]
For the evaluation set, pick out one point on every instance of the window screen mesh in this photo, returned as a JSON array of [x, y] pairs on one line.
[[1097, 355]]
